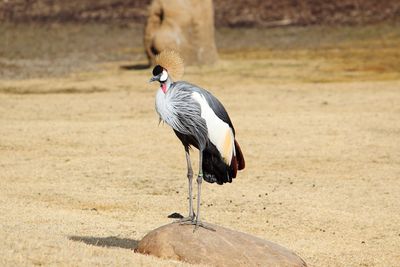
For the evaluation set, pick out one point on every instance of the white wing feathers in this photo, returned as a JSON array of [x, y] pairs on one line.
[[219, 132]]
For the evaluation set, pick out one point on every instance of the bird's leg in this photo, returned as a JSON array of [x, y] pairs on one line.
[[197, 221], [190, 179], [199, 182]]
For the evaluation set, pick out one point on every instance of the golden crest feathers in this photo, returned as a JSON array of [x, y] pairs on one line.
[[172, 62]]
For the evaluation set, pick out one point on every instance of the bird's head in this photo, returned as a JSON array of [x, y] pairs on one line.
[[159, 74], [169, 67]]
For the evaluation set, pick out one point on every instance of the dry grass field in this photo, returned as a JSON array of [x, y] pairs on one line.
[[86, 172]]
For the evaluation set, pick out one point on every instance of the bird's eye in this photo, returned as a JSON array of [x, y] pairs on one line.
[[157, 70]]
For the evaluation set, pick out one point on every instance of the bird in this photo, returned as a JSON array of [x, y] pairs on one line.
[[199, 120]]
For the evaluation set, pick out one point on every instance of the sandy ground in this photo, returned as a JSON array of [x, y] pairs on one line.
[[86, 171]]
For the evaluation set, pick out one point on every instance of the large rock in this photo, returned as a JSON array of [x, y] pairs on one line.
[[224, 247], [185, 26]]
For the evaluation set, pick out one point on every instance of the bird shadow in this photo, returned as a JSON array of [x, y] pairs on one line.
[[110, 241], [135, 67]]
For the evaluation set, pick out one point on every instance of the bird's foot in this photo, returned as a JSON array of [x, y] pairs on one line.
[[185, 220], [197, 224], [201, 224]]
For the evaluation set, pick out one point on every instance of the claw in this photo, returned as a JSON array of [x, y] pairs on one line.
[[200, 224], [196, 224], [185, 220]]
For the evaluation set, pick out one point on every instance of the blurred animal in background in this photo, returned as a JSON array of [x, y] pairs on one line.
[[186, 26], [200, 120]]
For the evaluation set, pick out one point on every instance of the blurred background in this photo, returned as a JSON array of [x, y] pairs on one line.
[[249, 13], [356, 36]]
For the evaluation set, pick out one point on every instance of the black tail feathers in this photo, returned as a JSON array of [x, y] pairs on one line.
[[215, 169]]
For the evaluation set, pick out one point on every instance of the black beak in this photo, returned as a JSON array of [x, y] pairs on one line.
[[155, 78]]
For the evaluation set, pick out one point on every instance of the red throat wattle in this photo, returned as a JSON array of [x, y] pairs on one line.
[[164, 87]]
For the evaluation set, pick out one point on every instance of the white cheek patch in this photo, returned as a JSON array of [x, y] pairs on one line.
[[219, 132], [164, 76]]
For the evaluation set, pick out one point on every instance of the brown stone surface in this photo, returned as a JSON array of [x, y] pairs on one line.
[[185, 26], [224, 247]]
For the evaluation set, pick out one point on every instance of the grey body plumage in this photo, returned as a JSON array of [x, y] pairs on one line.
[[179, 110]]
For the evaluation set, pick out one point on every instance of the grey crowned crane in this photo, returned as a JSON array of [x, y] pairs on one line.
[[200, 120]]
